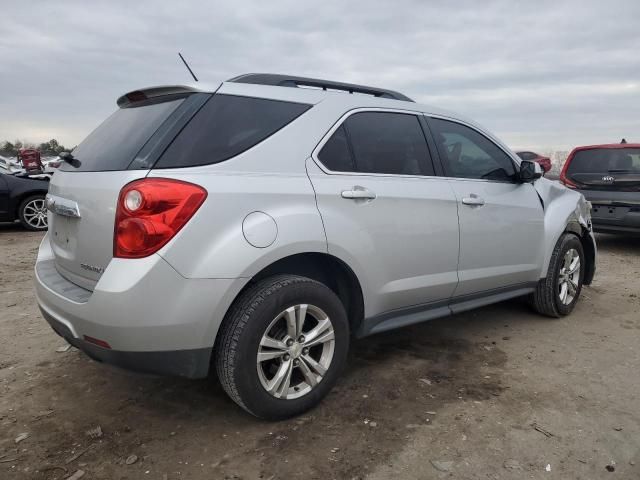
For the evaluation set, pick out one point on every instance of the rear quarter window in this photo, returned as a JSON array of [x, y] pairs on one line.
[[226, 126]]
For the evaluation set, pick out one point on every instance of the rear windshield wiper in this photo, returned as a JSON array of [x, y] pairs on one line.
[[70, 159]]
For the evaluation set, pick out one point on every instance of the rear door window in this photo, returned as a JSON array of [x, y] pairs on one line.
[[379, 142], [226, 126], [466, 153], [114, 144]]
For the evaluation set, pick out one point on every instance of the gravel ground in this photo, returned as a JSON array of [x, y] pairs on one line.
[[495, 393]]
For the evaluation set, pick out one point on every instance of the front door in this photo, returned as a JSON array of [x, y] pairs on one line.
[[501, 219]]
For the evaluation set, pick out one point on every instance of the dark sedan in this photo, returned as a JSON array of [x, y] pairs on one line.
[[23, 199]]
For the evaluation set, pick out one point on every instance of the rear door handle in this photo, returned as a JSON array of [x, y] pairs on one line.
[[473, 200], [358, 193]]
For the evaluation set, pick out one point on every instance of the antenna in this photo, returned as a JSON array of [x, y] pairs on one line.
[[188, 67]]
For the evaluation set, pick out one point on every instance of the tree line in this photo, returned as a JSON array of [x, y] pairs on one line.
[[47, 149]]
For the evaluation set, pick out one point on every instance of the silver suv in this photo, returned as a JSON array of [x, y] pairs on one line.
[[255, 227]]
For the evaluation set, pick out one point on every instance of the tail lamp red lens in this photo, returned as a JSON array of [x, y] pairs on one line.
[[567, 183], [563, 173], [150, 212], [97, 341]]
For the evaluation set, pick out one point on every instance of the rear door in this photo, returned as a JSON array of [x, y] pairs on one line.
[[385, 211], [83, 193], [501, 220]]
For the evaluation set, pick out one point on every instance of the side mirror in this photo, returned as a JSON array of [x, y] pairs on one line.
[[529, 171]]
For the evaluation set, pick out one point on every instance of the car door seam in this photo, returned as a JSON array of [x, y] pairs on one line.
[[315, 199]]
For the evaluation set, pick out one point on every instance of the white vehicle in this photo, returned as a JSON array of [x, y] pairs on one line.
[[9, 165]]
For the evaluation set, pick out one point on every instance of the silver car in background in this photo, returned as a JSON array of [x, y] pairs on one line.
[[256, 226]]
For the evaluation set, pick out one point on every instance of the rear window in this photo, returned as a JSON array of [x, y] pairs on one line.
[[226, 126], [114, 144], [605, 160]]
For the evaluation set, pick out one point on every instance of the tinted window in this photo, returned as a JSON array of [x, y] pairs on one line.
[[226, 126], [469, 154], [335, 155], [114, 144], [605, 160], [388, 143]]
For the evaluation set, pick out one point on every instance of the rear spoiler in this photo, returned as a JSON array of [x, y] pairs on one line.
[[135, 96]]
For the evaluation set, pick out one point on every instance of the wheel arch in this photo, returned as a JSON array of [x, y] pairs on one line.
[[324, 268], [574, 226], [588, 247], [566, 211]]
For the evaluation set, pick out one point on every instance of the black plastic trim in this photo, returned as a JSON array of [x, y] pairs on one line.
[[442, 308], [294, 81], [153, 149]]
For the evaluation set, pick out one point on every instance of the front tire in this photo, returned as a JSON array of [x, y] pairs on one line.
[[557, 294], [32, 213], [282, 346]]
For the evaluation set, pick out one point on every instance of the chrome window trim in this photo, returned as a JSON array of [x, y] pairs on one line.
[[338, 124], [417, 113]]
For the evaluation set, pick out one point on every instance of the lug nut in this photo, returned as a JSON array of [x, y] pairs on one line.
[[286, 357], [290, 342], [305, 351], [301, 339], [296, 362]]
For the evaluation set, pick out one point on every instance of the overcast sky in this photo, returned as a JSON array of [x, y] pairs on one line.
[[540, 75]]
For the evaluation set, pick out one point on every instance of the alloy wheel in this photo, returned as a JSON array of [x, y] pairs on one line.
[[35, 213], [569, 276], [295, 351]]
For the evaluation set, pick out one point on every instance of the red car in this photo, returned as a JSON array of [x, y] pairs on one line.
[[609, 177], [30, 159], [545, 162]]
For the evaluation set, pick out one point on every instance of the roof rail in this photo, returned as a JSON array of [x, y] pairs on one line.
[[291, 81]]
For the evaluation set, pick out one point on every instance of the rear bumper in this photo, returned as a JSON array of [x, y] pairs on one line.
[[620, 229], [614, 212], [181, 363], [155, 320]]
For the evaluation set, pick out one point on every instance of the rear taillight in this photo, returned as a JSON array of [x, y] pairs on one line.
[[150, 212], [563, 173], [566, 182]]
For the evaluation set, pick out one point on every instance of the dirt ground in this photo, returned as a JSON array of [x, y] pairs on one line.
[[498, 393]]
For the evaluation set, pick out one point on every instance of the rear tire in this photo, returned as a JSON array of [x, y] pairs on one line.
[[262, 339], [32, 213], [557, 294]]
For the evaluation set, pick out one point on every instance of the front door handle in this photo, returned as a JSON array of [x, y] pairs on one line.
[[358, 193], [473, 200]]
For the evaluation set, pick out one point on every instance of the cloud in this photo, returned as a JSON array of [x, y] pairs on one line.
[[544, 73]]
